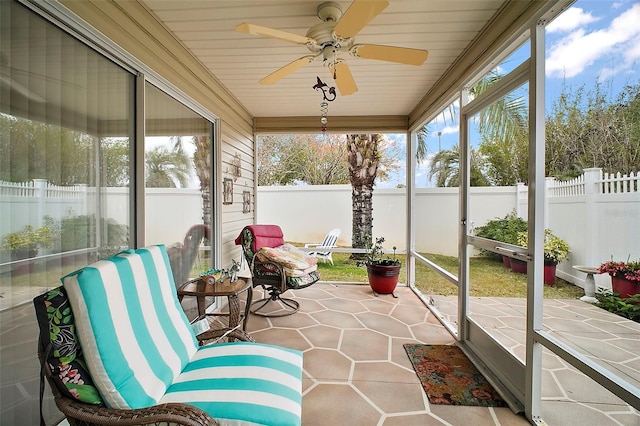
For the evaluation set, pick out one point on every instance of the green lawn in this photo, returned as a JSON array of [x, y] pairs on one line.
[[489, 278]]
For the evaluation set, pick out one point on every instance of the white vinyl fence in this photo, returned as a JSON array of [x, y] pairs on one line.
[[597, 214]]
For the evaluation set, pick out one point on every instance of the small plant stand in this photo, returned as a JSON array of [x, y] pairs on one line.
[[589, 283]]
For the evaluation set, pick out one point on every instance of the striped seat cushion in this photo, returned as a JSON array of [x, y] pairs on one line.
[[141, 350], [134, 333], [243, 383]]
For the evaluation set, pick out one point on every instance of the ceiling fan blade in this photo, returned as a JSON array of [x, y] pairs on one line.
[[359, 14], [287, 69], [402, 55], [273, 33], [344, 80]]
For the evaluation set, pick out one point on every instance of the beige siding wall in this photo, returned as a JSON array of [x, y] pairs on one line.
[[130, 26]]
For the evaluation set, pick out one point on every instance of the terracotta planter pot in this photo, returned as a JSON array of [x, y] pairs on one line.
[[519, 266], [383, 279], [550, 273], [625, 287]]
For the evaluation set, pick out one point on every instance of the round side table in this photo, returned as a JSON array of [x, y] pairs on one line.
[[200, 289]]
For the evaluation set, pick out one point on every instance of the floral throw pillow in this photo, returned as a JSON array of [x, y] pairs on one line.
[[65, 357]]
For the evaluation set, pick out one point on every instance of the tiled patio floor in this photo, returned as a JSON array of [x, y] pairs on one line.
[[358, 373], [356, 370], [608, 339]]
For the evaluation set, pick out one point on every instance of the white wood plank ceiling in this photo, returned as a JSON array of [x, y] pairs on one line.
[[239, 60]]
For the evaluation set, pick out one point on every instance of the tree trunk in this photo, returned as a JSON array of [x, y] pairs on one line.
[[202, 162], [363, 157]]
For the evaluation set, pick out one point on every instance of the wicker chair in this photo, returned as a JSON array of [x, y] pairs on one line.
[[271, 275], [182, 256], [80, 413], [135, 360]]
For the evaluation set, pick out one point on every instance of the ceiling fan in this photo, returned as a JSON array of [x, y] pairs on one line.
[[334, 36]]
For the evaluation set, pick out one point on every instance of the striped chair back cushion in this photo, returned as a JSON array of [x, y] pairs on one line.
[[133, 331]]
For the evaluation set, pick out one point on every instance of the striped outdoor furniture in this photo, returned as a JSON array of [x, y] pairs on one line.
[[143, 357]]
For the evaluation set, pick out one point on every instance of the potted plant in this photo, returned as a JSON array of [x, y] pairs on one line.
[[505, 230], [555, 251], [383, 272], [24, 244], [625, 276]]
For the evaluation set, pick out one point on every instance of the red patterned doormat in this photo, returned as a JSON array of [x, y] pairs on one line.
[[448, 377]]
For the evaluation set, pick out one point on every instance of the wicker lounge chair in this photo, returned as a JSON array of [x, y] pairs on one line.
[[116, 348], [276, 267]]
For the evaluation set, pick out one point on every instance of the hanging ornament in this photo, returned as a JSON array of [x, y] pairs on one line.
[[328, 95]]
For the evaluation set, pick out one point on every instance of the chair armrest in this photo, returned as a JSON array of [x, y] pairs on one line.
[[223, 332], [78, 412], [174, 413], [311, 245], [283, 279]]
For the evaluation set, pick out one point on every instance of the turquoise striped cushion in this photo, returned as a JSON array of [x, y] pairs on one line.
[[135, 336], [248, 382]]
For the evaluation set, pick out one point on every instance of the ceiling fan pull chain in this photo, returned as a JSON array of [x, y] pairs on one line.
[[328, 95], [324, 110]]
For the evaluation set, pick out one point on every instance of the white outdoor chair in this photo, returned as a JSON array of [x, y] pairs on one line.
[[330, 241]]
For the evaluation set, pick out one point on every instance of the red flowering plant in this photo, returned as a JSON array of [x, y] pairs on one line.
[[628, 270]]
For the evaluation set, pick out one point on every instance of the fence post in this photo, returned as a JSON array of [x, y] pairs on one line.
[[40, 191], [592, 176], [549, 182], [521, 194], [82, 189]]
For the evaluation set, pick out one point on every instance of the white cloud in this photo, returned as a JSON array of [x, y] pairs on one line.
[[581, 49], [451, 130], [571, 19]]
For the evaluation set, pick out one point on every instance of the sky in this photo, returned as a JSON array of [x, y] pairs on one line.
[[592, 41]]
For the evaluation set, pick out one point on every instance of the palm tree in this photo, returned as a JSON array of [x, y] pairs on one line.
[[421, 146], [363, 157], [445, 167], [202, 163], [505, 130], [167, 168]]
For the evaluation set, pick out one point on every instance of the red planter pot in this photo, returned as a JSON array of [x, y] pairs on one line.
[[625, 287], [550, 274], [506, 261], [383, 279], [519, 266]]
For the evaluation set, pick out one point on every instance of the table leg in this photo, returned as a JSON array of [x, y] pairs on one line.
[[234, 311], [247, 306], [202, 311]]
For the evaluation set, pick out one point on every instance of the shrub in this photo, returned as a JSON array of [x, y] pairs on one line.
[[504, 229], [79, 232], [612, 302], [555, 248], [28, 239]]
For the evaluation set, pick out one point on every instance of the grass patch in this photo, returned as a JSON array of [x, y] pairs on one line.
[[489, 278]]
